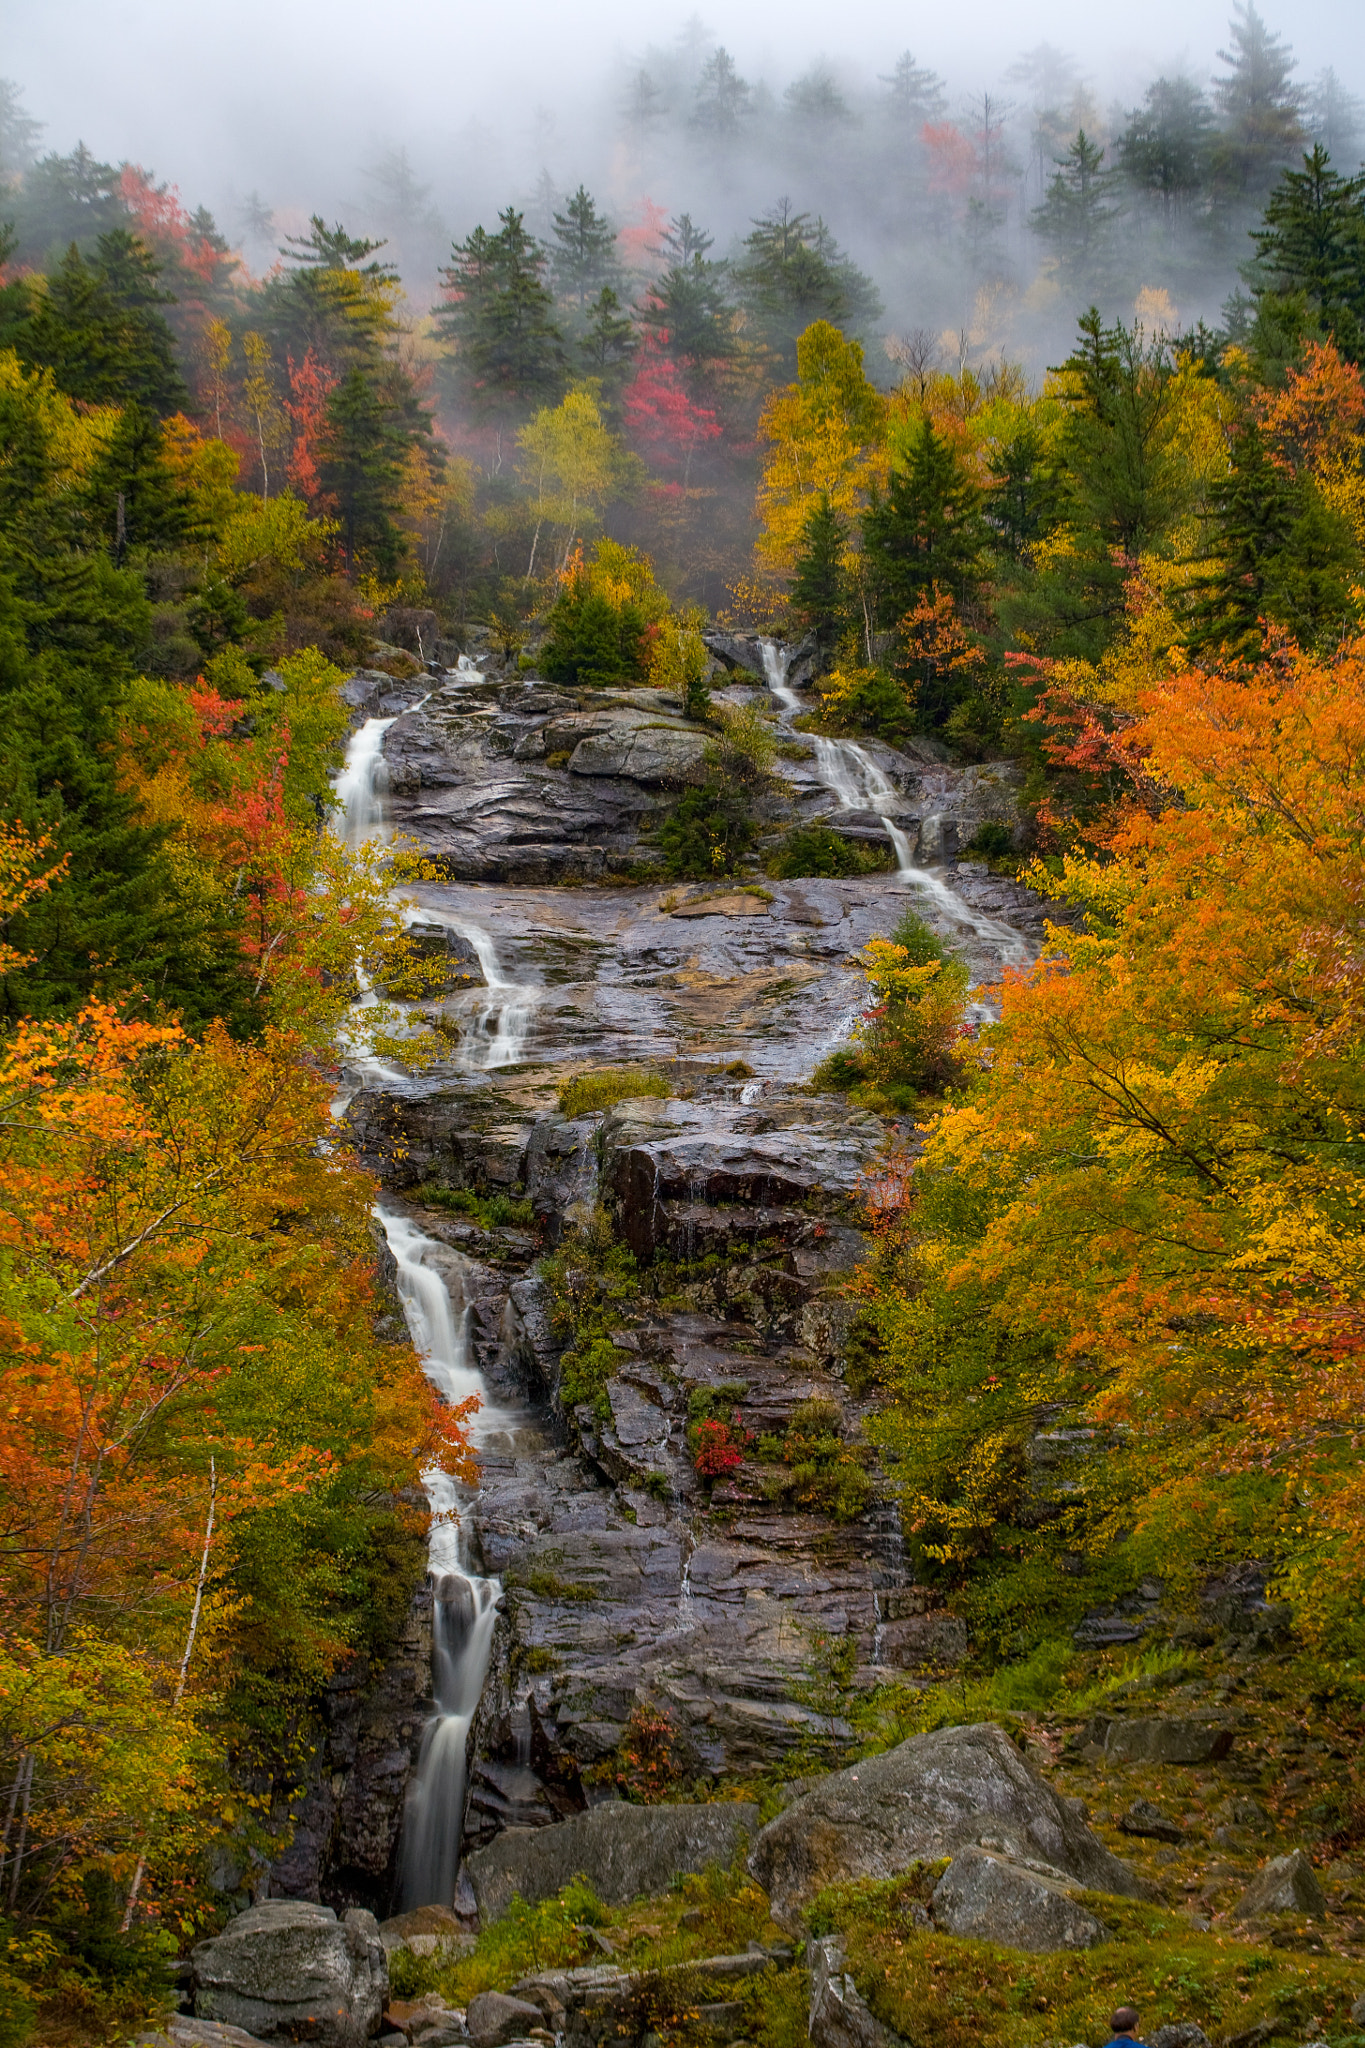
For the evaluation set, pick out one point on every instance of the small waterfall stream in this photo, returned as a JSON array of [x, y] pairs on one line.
[[858, 784], [464, 1611]]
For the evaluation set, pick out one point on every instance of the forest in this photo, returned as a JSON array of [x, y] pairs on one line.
[[579, 447]]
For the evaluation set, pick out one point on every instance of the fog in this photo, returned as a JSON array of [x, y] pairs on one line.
[[318, 107]]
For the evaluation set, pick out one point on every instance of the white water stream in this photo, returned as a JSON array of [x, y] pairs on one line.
[[858, 784], [464, 1610], [502, 1014], [464, 1603]]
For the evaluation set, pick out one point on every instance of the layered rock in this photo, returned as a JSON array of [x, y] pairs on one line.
[[287, 1970]]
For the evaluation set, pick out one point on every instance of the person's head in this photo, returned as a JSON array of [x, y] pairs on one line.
[[1124, 2020]]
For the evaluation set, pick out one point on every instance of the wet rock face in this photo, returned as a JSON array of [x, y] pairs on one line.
[[631, 1580], [625, 1852]]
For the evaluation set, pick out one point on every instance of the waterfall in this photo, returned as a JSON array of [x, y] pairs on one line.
[[464, 1610], [361, 785], [858, 784], [506, 1011]]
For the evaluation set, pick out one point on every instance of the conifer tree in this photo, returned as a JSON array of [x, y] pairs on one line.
[[99, 328], [509, 355], [1260, 105], [1078, 215], [1166, 151], [793, 274], [927, 529], [608, 342], [723, 98], [914, 94], [819, 592], [361, 468], [1281, 554], [584, 258], [1312, 242]]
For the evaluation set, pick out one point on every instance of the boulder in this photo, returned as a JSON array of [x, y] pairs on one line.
[[182, 2032], [1162, 1739], [493, 2018], [288, 1969], [650, 754], [927, 1798], [989, 1899], [1288, 1884], [622, 1851], [839, 2016], [1179, 2034], [1142, 1818]]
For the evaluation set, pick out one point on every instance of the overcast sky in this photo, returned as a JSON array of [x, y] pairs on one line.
[[294, 98]]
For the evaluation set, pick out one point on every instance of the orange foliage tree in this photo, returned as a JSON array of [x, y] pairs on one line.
[[1144, 1223]]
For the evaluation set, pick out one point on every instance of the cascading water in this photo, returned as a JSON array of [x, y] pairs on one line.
[[858, 784], [504, 1014], [464, 1611], [361, 785]]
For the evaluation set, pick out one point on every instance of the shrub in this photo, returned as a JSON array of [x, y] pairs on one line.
[[991, 841], [816, 850], [746, 748], [582, 1094], [865, 700], [708, 832], [909, 1037], [647, 1767], [720, 1447], [490, 1211]]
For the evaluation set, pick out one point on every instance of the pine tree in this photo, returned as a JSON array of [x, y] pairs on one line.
[[363, 452], [723, 98], [65, 199], [584, 259], [608, 342], [1166, 151], [1261, 108], [927, 529], [336, 298], [914, 95], [1281, 554], [1079, 214], [793, 274], [819, 592], [98, 327], [19, 131], [1027, 499], [1312, 242], [1127, 478], [508, 353], [688, 309], [1336, 117]]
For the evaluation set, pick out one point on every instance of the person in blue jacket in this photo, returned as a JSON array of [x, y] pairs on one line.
[[1123, 2028]]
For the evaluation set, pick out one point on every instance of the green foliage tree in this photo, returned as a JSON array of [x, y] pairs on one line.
[[1166, 151], [793, 273], [689, 310], [363, 454], [914, 94], [1027, 499], [819, 592], [1312, 244], [1127, 478], [1282, 554], [509, 355], [334, 297], [583, 259], [724, 100], [65, 199], [97, 325], [607, 344], [1080, 214], [1260, 106], [19, 131], [927, 529]]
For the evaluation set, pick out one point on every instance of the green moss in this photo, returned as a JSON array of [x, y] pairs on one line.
[[548, 1585], [938, 1992], [583, 1094], [489, 1211]]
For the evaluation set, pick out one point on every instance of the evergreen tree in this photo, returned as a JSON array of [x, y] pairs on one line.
[[509, 354], [816, 100], [723, 99], [19, 132], [1166, 151], [683, 240], [689, 311], [1336, 118], [1127, 480], [1281, 554], [1312, 244], [819, 592], [136, 502], [914, 95], [794, 274], [608, 342], [363, 454], [1079, 214], [927, 529], [584, 258], [1027, 500], [65, 199], [335, 298], [99, 328], [1261, 108]]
